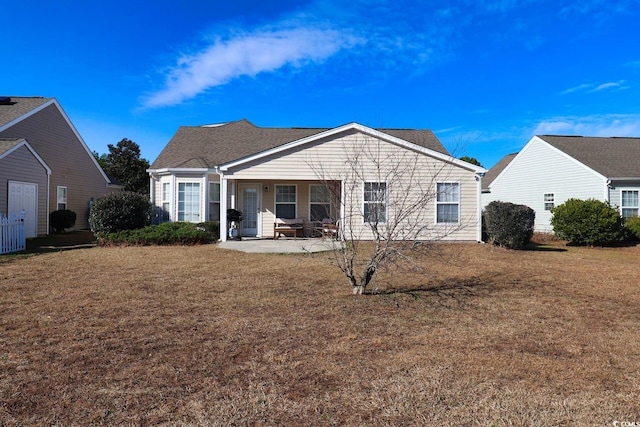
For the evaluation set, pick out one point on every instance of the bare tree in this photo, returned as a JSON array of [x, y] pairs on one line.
[[386, 199]]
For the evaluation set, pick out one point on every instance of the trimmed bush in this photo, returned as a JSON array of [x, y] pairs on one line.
[[168, 233], [633, 227], [587, 222], [509, 225], [212, 228], [62, 219], [122, 210]]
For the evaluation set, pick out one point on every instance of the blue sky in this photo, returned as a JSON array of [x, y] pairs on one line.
[[485, 76]]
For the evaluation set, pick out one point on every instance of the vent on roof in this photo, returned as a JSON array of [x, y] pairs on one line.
[[5, 100]]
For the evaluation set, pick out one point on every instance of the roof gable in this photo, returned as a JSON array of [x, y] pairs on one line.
[[17, 108], [496, 170], [8, 146], [613, 157], [231, 143]]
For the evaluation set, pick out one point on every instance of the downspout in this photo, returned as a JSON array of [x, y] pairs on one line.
[[342, 208], [48, 201], [607, 187], [479, 208]]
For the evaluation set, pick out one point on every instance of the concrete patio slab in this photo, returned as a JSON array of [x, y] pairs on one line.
[[281, 245]]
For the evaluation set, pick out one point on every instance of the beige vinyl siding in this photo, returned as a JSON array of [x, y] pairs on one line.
[[22, 166], [540, 169], [326, 159], [71, 164]]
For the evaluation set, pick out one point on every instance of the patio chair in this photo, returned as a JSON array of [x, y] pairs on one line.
[[330, 229]]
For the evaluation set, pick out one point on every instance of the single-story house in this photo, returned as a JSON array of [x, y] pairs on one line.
[[45, 165], [551, 169], [309, 174]]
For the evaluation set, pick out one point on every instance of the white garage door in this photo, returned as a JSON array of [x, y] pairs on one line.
[[24, 196]]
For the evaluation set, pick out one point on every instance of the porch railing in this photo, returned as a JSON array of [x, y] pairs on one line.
[[12, 235]]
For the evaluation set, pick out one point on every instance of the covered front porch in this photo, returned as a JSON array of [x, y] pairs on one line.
[[264, 203]]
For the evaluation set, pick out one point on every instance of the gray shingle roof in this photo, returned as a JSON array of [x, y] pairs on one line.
[[7, 144], [210, 146], [19, 106], [496, 170], [612, 157]]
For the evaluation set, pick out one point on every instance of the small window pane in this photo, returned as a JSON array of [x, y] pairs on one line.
[[448, 213], [286, 201], [285, 211]]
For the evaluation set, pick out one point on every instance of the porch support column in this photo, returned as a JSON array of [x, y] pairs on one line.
[[224, 183], [342, 213]]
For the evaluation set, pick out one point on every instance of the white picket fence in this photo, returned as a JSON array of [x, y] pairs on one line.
[[12, 236]]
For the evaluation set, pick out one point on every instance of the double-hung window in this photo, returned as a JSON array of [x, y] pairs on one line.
[[319, 202], [285, 201], [61, 194], [448, 203], [166, 201], [375, 202], [630, 205], [549, 201], [214, 201], [189, 201]]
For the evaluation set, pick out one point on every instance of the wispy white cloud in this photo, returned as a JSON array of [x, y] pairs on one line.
[[591, 88], [579, 88], [246, 55], [610, 85], [596, 125]]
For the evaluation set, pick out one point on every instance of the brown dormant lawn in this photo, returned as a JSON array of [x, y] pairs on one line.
[[204, 336]]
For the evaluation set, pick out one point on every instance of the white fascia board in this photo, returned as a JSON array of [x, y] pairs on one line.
[[167, 171], [617, 178], [360, 128], [24, 143], [41, 107], [27, 114], [534, 139], [574, 160], [512, 162]]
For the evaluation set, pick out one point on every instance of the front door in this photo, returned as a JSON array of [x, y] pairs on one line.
[[24, 197], [250, 206]]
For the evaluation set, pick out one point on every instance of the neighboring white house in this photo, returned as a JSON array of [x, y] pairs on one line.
[[550, 169], [270, 173]]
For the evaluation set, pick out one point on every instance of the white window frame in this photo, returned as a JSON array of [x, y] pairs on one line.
[[549, 201], [448, 202], [384, 201], [323, 203], [181, 215], [62, 199], [635, 207], [276, 203], [214, 203], [166, 201]]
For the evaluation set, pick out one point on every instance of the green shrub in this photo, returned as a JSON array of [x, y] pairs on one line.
[[122, 210], [62, 219], [168, 233], [509, 225], [587, 222], [212, 228], [633, 227]]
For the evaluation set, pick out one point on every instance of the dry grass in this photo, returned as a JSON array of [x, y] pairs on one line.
[[204, 336]]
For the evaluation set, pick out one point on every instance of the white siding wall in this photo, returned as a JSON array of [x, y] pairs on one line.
[[540, 169], [326, 160]]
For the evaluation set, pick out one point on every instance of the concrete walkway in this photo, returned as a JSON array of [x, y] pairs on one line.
[[281, 246]]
